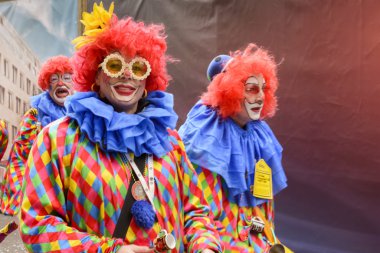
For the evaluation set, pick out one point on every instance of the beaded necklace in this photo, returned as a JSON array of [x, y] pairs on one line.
[[133, 174]]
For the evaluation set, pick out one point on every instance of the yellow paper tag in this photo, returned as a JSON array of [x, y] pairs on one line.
[[262, 184]]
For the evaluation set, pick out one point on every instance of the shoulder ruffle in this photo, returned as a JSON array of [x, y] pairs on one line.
[[144, 132], [48, 110], [221, 146]]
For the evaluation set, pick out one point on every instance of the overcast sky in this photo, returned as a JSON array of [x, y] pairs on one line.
[[47, 26]]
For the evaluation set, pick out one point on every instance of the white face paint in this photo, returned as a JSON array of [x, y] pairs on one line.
[[254, 96], [125, 91], [122, 92], [60, 87], [253, 102]]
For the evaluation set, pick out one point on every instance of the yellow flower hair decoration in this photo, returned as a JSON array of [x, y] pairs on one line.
[[94, 24], [2, 123]]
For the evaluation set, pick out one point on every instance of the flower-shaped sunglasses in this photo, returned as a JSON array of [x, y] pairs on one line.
[[114, 65]]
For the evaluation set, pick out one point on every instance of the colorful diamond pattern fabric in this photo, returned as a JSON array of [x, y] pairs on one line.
[[231, 220], [3, 138], [12, 183], [75, 191]]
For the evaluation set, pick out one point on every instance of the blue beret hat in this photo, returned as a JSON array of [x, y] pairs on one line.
[[216, 65]]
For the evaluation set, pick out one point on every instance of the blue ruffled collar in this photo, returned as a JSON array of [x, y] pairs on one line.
[[144, 132], [223, 147], [48, 110]]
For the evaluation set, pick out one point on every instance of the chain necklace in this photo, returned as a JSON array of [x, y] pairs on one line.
[[131, 171]]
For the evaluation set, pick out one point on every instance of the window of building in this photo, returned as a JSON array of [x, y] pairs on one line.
[[35, 90], [14, 74], [21, 81], [18, 105], [28, 86], [10, 100], [2, 95], [14, 132], [6, 70]]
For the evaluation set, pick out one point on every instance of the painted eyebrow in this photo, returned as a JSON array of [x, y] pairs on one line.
[[253, 83], [257, 82]]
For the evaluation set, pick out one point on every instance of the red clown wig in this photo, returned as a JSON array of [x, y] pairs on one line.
[[131, 39], [226, 90], [57, 64]]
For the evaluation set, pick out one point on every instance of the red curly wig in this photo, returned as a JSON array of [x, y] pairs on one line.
[[130, 38], [226, 90], [57, 64]]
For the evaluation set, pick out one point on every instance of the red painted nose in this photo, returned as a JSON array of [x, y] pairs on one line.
[[127, 74]]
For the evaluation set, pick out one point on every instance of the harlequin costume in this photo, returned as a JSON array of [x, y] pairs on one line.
[[225, 154], [43, 111], [11, 226], [3, 138], [79, 175]]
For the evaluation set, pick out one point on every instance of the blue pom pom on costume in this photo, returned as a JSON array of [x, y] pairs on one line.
[[216, 65], [143, 214]]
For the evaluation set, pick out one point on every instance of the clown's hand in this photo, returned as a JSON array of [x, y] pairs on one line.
[[207, 251], [134, 249]]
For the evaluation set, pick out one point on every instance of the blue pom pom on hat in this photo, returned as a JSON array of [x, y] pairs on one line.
[[217, 65]]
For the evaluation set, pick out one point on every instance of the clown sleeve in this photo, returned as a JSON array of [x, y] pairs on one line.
[[199, 230], [15, 169], [44, 219]]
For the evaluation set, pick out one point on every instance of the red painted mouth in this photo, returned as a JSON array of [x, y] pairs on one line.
[[62, 92], [256, 109], [124, 90]]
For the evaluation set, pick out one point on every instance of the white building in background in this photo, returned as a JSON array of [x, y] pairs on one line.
[[19, 67]]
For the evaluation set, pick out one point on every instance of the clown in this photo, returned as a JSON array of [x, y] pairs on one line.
[[234, 151], [119, 177], [55, 80]]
